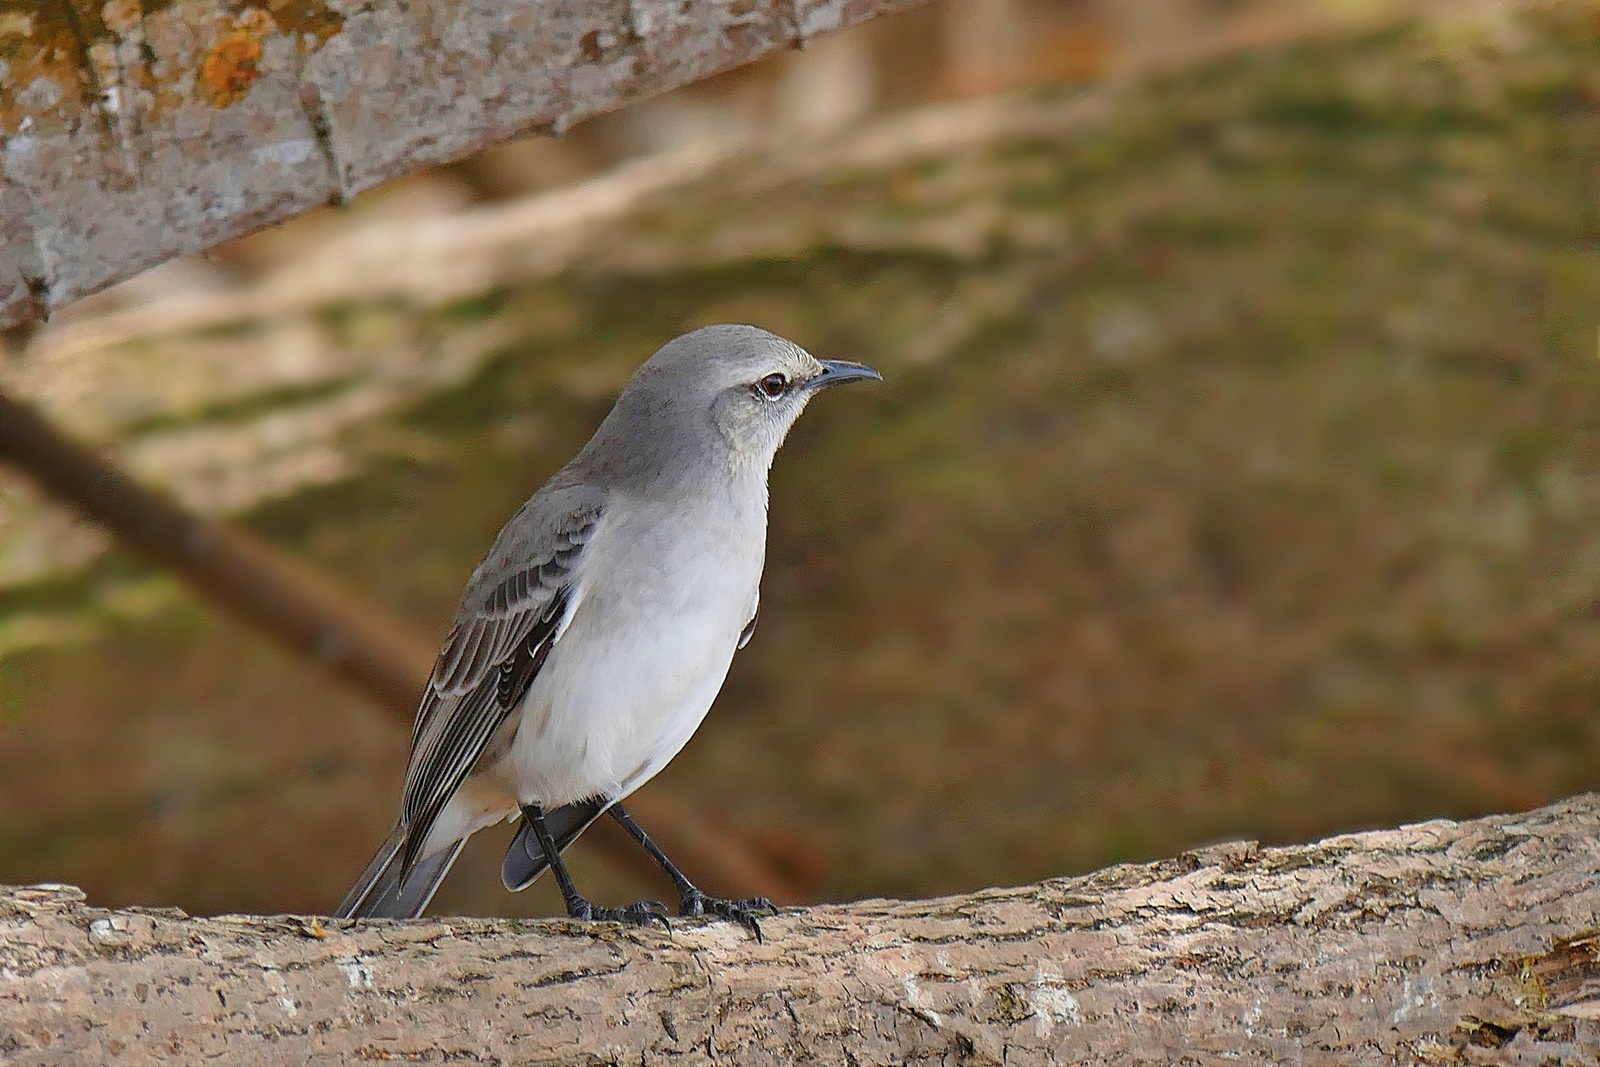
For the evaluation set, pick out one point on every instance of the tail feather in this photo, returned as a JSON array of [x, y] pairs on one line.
[[525, 860], [386, 890]]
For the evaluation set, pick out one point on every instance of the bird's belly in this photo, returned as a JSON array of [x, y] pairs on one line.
[[615, 702]]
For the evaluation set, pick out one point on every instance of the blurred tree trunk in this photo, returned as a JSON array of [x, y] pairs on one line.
[[1438, 943], [136, 133]]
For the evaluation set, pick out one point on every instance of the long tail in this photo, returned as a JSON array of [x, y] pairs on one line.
[[525, 861], [385, 891]]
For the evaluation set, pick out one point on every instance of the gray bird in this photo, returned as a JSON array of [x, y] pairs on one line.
[[592, 639]]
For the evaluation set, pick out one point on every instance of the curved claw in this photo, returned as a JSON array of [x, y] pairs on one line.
[[743, 912]]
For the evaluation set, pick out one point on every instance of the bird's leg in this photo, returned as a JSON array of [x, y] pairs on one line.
[[691, 900], [641, 914]]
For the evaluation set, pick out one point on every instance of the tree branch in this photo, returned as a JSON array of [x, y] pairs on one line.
[[266, 588], [1437, 943], [136, 133]]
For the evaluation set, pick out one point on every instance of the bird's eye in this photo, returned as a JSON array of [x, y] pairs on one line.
[[772, 386]]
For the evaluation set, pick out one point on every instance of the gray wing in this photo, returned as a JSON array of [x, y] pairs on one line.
[[515, 608]]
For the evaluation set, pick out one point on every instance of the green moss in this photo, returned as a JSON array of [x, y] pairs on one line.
[[228, 330], [239, 410], [486, 305], [79, 591]]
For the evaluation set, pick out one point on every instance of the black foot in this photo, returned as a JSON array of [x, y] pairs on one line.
[[643, 913], [743, 912]]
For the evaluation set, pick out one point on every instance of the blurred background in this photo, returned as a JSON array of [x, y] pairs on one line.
[[1235, 475]]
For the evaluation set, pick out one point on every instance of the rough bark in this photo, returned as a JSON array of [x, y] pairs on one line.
[[1442, 942], [136, 132]]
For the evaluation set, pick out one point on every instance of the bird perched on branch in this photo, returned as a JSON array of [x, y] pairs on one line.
[[592, 639]]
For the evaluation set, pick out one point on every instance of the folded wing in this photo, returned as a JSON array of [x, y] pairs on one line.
[[515, 610]]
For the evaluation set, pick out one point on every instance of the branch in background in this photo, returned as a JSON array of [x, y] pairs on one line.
[[265, 588], [317, 620], [1459, 943], [137, 133]]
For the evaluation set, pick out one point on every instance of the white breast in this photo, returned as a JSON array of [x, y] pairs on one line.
[[663, 601]]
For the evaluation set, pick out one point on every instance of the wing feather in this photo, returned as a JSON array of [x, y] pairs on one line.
[[509, 620]]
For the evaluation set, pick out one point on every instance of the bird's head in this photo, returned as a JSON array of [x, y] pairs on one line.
[[729, 391]]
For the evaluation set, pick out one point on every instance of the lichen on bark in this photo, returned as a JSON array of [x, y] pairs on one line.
[[135, 133]]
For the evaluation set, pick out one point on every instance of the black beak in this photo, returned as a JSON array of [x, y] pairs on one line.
[[839, 371]]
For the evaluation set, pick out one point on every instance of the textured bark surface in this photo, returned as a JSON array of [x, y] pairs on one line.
[[135, 132], [1438, 943]]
